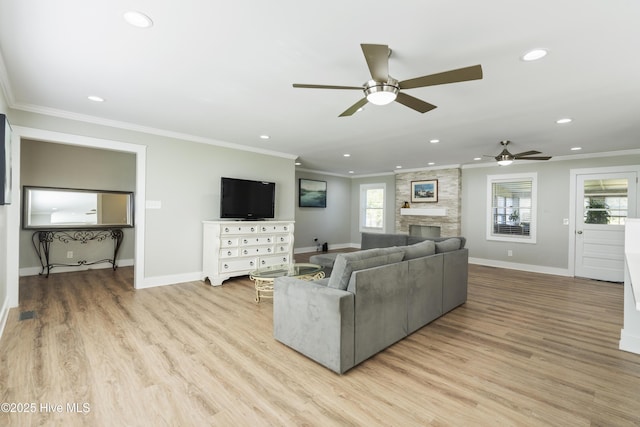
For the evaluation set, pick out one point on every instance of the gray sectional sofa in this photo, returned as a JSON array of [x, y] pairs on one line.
[[374, 298]]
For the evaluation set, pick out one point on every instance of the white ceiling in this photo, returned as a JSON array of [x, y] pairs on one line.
[[222, 72]]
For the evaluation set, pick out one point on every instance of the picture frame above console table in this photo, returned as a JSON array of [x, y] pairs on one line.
[[63, 216]]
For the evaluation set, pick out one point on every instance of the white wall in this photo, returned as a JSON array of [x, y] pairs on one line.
[[551, 252], [4, 242]]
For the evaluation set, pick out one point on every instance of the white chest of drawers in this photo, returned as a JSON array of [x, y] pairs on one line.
[[235, 248]]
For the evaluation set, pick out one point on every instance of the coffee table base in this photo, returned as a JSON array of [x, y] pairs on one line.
[[264, 285]]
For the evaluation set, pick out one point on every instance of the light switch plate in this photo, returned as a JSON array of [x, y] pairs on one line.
[[153, 204]]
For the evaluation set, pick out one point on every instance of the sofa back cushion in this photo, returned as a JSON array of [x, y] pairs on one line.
[[349, 262], [419, 250], [411, 240], [382, 240], [449, 245]]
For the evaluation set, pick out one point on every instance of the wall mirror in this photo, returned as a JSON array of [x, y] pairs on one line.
[[68, 208]]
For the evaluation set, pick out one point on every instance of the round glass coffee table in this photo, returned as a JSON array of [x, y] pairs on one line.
[[264, 277]]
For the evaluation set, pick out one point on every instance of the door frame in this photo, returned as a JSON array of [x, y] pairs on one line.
[[14, 211], [573, 193]]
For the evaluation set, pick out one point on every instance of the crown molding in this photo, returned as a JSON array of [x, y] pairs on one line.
[[144, 129]]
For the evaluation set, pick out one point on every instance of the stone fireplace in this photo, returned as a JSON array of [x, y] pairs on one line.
[[443, 214], [424, 230]]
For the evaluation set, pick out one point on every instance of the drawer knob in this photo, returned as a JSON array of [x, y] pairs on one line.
[[226, 266], [229, 253], [251, 263]]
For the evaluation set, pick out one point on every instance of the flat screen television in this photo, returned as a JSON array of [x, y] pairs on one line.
[[247, 199]]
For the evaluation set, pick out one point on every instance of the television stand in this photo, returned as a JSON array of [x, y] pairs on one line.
[[232, 248]]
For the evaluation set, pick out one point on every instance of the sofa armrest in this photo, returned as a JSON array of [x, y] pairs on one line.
[[315, 320], [456, 275]]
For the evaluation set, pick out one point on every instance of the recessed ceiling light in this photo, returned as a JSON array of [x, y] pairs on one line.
[[431, 163], [398, 167], [351, 172], [534, 55], [297, 163], [95, 98], [138, 19], [347, 155], [264, 137], [576, 148], [477, 158], [564, 120], [434, 141]]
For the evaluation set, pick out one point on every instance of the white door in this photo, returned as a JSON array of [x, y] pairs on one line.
[[603, 202]]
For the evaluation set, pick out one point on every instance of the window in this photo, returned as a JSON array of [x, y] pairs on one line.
[[605, 201], [512, 207], [372, 207]]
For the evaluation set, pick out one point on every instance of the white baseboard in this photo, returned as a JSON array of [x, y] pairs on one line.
[[629, 342], [4, 315], [518, 266], [174, 279], [34, 271], [331, 247]]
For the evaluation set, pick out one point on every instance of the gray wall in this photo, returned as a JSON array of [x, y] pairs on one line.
[[390, 203], [330, 224], [59, 165], [552, 247], [185, 177]]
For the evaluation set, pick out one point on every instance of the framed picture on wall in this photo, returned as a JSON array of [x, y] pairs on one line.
[[5, 161], [424, 191], [312, 193]]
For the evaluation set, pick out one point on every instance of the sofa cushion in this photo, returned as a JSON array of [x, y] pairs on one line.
[[325, 260], [411, 240], [348, 263], [418, 250], [382, 240], [452, 244]]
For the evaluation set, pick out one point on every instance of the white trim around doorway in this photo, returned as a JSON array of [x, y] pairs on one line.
[[572, 203], [13, 220]]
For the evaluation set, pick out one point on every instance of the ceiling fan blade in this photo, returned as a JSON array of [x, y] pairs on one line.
[[533, 158], [414, 103], [377, 56], [300, 85], [526, 153], [351, 110], [453, 76]]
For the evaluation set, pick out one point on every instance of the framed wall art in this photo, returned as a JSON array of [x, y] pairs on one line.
[[424, 191], [312, 193]]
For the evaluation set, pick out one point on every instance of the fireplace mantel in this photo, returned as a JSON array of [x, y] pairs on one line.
[[424, 211]]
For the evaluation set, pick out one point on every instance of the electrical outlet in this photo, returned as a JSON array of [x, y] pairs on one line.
[[69, 254], [509, 252]]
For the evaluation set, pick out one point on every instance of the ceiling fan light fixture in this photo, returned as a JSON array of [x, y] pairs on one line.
[[381, 93], [505, 162]]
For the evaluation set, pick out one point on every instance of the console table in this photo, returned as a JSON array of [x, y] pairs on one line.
[[42, 240]]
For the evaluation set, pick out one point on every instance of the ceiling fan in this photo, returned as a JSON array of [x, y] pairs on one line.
[[505, 158], [384, 89]]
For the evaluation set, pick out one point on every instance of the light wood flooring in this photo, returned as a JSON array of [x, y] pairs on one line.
[[525, 350]]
